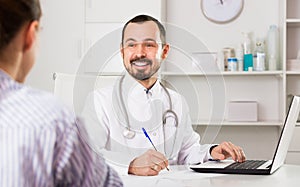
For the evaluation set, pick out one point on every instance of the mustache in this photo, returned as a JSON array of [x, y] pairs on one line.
[[141, 60]]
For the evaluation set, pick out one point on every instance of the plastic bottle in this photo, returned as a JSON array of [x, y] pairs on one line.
[[248, 57], [232, 64], [259, 56], [228, 52], [246, 43], [273, 48]]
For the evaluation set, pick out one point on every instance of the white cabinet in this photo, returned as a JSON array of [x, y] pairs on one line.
[[117, 11], [269, 88], [208, 95], [290, 51]]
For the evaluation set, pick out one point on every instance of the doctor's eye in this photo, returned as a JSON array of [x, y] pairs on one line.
[[130, 45], [150, 44]]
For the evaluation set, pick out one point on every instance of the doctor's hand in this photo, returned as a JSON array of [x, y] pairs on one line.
[[226, 150], [149, 163]]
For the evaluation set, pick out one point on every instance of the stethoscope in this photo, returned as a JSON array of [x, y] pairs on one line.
[[128, 133]]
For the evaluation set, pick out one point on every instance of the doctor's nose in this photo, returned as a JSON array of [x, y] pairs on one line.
[[140, 51]]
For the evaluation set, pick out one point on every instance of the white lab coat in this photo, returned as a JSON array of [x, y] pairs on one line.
[[104, 117]]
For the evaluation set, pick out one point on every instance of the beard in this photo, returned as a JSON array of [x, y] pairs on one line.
[[141, 74]]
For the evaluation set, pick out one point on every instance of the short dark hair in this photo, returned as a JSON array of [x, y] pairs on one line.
[[143, 18], [13, 15]]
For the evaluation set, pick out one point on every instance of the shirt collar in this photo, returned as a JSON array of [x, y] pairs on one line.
[[138, 90], [6, 82], [4, 75]]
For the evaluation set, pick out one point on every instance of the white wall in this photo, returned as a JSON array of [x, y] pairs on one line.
[[256, 16]]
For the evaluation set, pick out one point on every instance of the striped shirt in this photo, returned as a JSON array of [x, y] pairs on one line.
[[43, 144]]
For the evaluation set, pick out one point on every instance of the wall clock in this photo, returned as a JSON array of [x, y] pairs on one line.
[[222, 11]]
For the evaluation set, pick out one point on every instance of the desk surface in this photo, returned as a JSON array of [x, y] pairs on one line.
[[182, 176]]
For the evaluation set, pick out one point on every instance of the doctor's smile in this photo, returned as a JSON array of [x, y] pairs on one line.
[[142, 62]]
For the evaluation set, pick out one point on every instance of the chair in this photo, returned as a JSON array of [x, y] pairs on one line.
[[73, 89]]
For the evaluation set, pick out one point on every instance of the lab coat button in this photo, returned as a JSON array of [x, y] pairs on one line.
[[154, 134]]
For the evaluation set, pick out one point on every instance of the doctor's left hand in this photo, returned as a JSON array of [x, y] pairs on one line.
[[226, 150], [148, 164]]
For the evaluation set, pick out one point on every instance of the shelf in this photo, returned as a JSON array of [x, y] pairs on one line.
[[293, 72], [237, 73], [254, 73], [254, 124], [227, 123], [165, 73], [292, 20]]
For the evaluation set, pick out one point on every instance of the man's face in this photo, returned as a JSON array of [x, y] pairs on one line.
[[142, 50]]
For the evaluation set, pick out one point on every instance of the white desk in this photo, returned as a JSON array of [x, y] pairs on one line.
[[179, 176]]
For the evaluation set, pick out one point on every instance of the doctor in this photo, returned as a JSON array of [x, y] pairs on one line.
[[116, 115]]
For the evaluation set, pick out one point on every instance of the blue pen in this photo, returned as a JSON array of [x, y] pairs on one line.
[[146, 134]]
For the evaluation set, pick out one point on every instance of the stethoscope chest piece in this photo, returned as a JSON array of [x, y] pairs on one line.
[[128, 133]]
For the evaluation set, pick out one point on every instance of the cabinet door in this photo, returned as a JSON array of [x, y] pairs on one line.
[[60, 41], [121, 11]]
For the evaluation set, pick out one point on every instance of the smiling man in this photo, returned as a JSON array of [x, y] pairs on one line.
[[143, 51], [117, 114]]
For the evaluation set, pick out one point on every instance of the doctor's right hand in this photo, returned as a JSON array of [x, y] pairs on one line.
[[148, 164]]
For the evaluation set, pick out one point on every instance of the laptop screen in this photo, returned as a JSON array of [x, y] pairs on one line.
[[286, 134]]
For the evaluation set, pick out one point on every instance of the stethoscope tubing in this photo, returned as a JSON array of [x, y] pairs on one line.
[[129, 134], [164, 116]]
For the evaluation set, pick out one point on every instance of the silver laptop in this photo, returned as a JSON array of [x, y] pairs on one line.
[[263, 167]]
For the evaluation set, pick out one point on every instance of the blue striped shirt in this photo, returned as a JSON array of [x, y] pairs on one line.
[[44, 144]]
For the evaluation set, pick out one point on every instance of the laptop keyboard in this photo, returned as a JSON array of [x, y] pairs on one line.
[[248, 164]]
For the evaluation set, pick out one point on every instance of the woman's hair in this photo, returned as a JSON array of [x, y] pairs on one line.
[[13, 15]]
